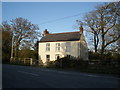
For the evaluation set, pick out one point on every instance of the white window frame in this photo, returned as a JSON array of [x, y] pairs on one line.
[[57, 46], [47, 46]]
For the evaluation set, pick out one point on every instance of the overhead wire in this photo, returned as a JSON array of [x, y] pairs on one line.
[[50, 21]]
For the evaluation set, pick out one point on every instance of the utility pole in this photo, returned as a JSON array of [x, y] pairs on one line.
[[80, 46], [81, 33], [11, 59]]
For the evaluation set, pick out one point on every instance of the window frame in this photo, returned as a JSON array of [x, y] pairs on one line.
[[47, 58], [57, 47], [47, 46]]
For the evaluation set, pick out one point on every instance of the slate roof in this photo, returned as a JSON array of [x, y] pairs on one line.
[[68, 36]]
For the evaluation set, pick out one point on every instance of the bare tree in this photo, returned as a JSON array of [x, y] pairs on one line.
[[90, 20], [108, 21], [92, 23], [24, 33], [104, 24]]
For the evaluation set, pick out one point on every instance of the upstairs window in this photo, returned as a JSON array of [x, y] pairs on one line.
[[57, 46], [68, 47], [48, 47]]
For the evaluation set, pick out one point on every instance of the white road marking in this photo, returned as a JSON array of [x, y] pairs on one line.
[[61, 72], [100, 76], [28, 73], [91, 75]]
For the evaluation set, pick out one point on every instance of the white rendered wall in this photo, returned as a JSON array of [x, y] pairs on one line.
[[73, 50], [83, 49]]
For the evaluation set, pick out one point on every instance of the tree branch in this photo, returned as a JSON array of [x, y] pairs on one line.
[[109, 28], [112, 41]]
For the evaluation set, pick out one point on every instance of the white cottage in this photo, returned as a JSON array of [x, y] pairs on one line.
[[59, 45]]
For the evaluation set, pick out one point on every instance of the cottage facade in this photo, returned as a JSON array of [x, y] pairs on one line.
[[59, 45]]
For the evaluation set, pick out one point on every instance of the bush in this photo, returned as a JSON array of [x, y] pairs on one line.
[[94, 56], [71, 62], [50, 64], [95, 66]]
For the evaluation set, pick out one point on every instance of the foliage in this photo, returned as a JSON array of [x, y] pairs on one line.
[[27, 53], [94, 56], [36, 50], [24, 35], [68, 62], [24, 32], [0, 41], [93, 66], [50, 64], [107, 56], [6, 44]]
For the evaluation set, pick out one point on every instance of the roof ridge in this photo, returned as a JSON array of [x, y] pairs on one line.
[[64, 32], [66, 36]]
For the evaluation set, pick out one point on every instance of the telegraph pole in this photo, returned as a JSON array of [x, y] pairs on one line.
[[11, 59]]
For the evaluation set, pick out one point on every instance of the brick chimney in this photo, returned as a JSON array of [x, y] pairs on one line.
[[45, 32], [81, 29]]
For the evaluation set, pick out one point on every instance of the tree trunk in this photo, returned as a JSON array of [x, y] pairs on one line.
[[15, 55], [96, 41], [103, 43], [95, 44]]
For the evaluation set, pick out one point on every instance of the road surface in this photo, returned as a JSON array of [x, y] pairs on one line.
[[33, 77]]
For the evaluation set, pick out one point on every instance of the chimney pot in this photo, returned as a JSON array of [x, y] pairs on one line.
[[45, 32], [81, 29]]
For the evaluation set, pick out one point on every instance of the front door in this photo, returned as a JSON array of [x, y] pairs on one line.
[[47, 58]]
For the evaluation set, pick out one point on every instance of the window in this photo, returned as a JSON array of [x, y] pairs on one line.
[[48, 47], [67, 46], [47, 58], [57, 46]]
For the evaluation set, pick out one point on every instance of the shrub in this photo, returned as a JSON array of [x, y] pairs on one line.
[[71, 62], [94, 56], [50, 64]]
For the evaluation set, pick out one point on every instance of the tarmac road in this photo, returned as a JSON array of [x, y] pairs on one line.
[[14, 76]]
